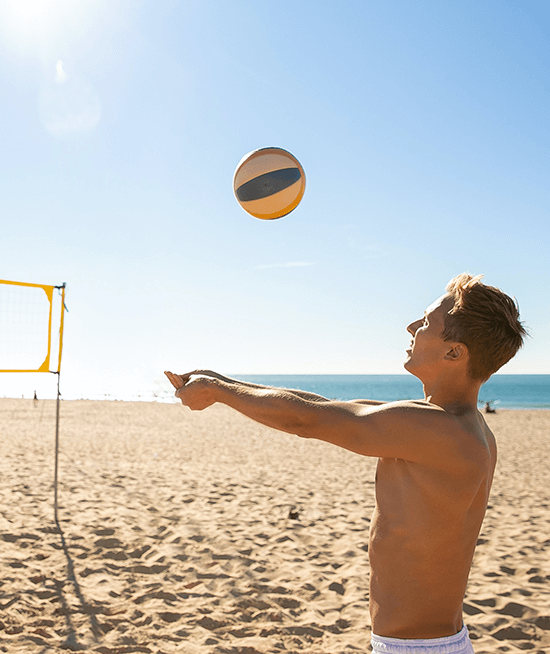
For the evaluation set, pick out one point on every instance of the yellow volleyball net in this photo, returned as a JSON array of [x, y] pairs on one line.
[[27, 322], [30, 315]]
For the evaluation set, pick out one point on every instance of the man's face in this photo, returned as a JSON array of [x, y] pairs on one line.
[[428, 348]]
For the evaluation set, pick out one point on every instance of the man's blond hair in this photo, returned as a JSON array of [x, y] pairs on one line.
[[486, 320]]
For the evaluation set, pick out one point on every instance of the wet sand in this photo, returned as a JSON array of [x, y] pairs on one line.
[[207, 533]]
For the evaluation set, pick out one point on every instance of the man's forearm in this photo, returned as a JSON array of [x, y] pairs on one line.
[[305, 395], [280, 409]]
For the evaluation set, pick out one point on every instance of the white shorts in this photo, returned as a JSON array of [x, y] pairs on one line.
[[458, 644]]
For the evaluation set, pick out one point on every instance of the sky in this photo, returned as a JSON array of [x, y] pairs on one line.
[[422, 129]]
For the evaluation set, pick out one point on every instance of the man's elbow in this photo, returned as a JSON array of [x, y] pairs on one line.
[[304, 426]]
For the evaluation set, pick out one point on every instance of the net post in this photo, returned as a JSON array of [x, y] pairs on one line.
[[56, 464]]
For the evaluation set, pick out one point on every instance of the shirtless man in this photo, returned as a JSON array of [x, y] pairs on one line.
[[436, 459]]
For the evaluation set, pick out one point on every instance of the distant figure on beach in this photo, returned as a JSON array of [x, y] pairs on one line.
[[489, 408], [35, 399], [436, 459]]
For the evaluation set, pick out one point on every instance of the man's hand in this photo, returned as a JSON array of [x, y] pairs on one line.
[[195, 390]]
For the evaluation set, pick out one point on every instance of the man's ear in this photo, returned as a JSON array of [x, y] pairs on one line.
[[457, 352]]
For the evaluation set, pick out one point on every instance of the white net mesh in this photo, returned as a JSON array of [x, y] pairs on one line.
[[24, 327]]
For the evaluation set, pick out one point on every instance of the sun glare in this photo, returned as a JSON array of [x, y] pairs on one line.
[[32, 18], [26, 15], [30, 10]]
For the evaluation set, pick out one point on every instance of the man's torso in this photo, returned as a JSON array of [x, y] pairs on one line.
[[424, 530]]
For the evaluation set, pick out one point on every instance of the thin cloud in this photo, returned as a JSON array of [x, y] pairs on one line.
[[291, 264]]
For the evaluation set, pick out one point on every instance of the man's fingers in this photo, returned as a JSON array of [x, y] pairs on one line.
[[176, 380]]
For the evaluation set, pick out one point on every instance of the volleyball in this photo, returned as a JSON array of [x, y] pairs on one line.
[[269, 183]]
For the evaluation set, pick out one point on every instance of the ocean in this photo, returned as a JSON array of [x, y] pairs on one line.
[[503, 391]]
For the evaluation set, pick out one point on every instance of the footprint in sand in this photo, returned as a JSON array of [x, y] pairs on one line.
[[104, 532], [517, 610]]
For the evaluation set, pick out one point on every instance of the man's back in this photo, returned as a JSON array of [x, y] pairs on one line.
[[425, 526]]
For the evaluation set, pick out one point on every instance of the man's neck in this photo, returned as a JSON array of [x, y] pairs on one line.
[[458, 396]]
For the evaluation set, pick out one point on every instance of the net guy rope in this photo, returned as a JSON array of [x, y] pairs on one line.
[[26, 318]]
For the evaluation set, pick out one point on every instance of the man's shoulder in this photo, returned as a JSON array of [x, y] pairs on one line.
[[414, 410], [435, 431]]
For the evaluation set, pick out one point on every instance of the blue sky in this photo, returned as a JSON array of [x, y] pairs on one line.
[[422, 128]]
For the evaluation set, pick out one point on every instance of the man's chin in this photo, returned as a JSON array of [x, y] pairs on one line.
[[409, 366]]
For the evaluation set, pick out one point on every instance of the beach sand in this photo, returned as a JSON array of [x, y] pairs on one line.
[[205, 532]]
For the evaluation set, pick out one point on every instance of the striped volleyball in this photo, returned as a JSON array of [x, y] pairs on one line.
[[269, 183]]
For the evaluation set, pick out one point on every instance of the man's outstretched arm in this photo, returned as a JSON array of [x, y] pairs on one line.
[[383, 431]]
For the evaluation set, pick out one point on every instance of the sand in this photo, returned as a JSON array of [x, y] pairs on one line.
[[205, 532]]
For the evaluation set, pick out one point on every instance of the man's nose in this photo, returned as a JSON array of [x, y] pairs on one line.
[[413, 327]]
